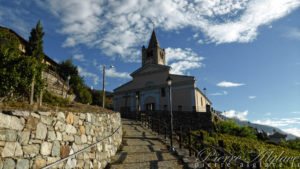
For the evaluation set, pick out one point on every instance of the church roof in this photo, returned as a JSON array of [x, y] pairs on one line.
[[160, 68], [153, 41]]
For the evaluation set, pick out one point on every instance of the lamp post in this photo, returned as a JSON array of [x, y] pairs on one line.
[[137, 106], [169, 81], [103, 87], [204, 89], [68, 78]]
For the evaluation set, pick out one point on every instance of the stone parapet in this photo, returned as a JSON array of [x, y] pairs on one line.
[[36, 139]]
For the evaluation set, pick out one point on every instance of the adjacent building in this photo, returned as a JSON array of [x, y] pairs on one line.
[[148, 89], [54, 83]]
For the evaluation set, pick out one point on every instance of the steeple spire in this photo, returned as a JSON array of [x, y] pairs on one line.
[[153, 54], [153, 41]]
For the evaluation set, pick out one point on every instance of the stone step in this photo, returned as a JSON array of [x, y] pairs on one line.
[[142, 149], [148, 165]]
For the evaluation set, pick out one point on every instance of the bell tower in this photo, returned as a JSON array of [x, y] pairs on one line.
[[153, 54]]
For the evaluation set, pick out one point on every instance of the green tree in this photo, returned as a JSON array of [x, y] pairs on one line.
[[85, 96], [15, 67], [8, 53], [77, 85], [35, 50], [66, 69]]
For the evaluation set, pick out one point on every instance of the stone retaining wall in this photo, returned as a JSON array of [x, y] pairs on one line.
[[36, 139], [57, 85]]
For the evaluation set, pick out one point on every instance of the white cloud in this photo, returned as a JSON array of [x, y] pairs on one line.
[[252, 97], [296, 112], [182, 60], [79, 57], [113, 73], [200, 41], [89, 75], [255, 13], [279, 122], [295, 131], [229, 84], [219, 93], [274, 123], [234, 114], [293, 33], [195, 35], [119, 28]]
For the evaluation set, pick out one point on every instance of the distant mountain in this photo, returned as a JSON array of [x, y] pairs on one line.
[[268, 129]]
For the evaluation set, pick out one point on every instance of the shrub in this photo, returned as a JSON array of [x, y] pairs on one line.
[[54, 100], [230, 127]]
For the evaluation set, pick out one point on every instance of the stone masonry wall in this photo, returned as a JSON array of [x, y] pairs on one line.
[[57, 85], [36, 139]]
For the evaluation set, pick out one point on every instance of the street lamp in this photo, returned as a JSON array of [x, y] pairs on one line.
[[103, 91], [204, 89], [169, 81]]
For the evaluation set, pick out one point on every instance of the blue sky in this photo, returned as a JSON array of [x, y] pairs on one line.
[[245, 52]]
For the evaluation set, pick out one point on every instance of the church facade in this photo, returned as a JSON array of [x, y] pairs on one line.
[[148, 89]]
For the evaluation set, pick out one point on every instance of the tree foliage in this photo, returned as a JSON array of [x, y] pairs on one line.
[[76, 81], [16, 68], [230, 127], [36, 51], [292, 144]]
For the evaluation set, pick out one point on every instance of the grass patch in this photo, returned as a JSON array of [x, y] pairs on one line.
[[71, 107]]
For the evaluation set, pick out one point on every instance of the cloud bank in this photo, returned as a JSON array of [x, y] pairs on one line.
[[235, 114], [120, 27]]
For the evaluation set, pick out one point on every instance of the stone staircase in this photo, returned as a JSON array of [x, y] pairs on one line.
[[142, 150]]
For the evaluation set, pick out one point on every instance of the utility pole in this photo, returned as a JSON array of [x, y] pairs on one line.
[[103, 87]]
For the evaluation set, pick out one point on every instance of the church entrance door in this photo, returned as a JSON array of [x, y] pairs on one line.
[[150, 106]]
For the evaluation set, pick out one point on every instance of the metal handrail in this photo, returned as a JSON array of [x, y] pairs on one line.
[[80, 151]]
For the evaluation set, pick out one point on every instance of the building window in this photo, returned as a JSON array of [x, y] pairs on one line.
[[179, 108], [201, 102], [163, 92], [150, 53], [165, 107]]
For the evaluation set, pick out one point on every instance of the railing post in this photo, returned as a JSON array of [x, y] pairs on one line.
[[142, 119], [222, 164], [165, 130], [180, 137], [201, 138], [190, 142], [152, 124], [158, 129], [150, 120], [254, 160]]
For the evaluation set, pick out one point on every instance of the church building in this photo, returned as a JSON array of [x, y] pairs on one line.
[[148, 89]]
